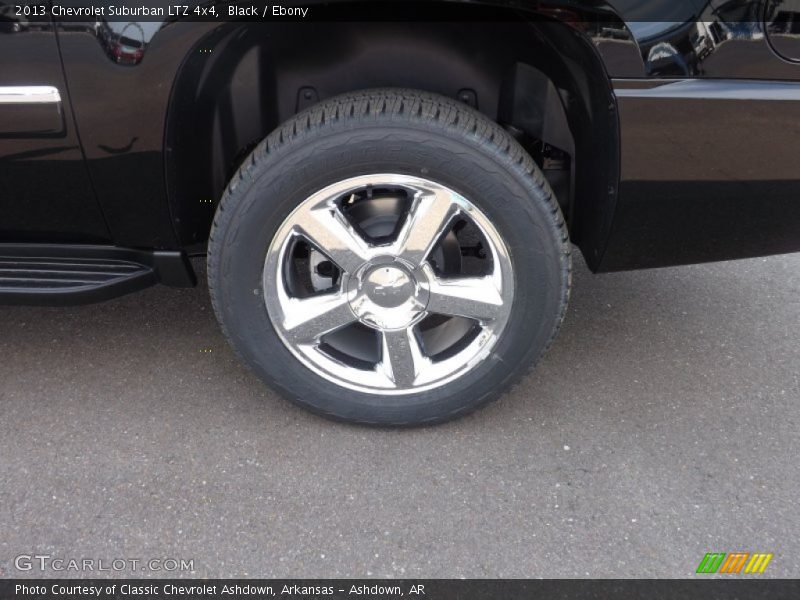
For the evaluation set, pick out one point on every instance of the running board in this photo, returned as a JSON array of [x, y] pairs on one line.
[[61, 275]]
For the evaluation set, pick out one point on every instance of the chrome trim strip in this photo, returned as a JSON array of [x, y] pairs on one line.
[[29, 94], [709, 89]]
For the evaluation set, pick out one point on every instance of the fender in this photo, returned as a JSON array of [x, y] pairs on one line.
[[126, 107], [127, 134]]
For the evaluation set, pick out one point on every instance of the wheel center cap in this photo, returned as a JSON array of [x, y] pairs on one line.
[[388, 286], [388, 294]]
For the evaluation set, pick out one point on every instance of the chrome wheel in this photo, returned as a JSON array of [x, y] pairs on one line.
[[389, 299], [388, 284]]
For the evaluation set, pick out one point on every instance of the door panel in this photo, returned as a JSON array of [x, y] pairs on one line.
[[120, 91], [45, 192]]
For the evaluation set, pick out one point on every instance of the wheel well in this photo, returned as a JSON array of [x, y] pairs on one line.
[[544, 83]]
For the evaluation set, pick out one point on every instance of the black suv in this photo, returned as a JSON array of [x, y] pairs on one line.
[[389, 207]]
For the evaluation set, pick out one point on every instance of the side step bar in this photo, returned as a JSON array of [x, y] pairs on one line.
[[61, 275]]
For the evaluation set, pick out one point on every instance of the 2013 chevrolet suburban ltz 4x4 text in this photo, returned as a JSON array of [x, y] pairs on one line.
[[388, 206]]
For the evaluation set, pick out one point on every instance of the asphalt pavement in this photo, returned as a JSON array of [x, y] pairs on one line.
[[662, 425]]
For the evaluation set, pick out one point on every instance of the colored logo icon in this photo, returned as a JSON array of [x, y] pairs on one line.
[[734, 562]]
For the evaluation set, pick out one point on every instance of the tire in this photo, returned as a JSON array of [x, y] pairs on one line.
[[415, 153]]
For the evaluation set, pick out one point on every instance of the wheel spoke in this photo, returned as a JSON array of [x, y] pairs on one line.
[[473, 297], [428, 220], [402, 357], [307, 319], [328, 229]]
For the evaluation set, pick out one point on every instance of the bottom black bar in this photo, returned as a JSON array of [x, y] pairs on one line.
[[382, 589]]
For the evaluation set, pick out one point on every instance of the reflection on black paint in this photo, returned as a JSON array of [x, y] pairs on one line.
[[783, 27]]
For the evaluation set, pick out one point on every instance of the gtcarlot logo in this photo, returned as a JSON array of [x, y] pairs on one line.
[[46, 562]]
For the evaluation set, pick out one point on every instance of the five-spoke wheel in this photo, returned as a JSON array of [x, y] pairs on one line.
[[381, 269]]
